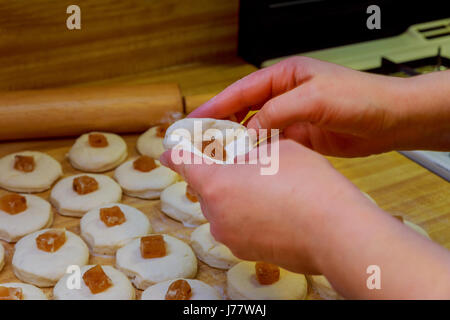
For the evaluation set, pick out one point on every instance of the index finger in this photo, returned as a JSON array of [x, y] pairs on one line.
[[253, 90], [194, 174]]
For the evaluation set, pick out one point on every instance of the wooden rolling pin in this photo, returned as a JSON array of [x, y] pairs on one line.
[[72, 111]]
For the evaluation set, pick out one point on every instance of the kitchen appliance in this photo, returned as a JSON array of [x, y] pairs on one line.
[[423, 47]]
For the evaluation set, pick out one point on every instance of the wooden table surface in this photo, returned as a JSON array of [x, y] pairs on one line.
[[397, 184]]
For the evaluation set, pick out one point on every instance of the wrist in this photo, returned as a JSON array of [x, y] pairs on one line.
[[421, 108]]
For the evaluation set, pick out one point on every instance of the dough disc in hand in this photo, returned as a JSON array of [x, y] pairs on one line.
[[242, 284], [233, 137], [38, 215], [200, 291], [46, 171], [84, 157], [179, 262], [210, 251]]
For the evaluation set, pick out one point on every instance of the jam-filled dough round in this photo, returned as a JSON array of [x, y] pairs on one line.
[[242, 284], [138, 182], [150, 143], [37, 215], [26, 291], [28, 171], [211, 252], [118, 286], [176, 204], [231, 139], [42, 268], [110, 227], [98, 152], [2, 257], [178, 262], [199, 291], [69, 202]]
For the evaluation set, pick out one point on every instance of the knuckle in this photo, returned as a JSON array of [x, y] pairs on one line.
[[268, 112]]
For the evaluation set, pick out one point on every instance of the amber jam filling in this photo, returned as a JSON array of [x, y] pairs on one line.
[[84, 185], [24, 163], [210, 151], [112, 216], [98, 140], [267, 273], [97, 280], [153, 247], [144, 164], [51, 241], [399, 218], [13, 203], [10, 293], [161, 130], [190, 194], [179, 290]]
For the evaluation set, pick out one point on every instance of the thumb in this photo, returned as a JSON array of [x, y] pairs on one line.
[[194, 170], [280, 112]]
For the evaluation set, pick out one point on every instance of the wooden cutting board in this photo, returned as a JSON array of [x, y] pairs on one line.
[[160, 222]]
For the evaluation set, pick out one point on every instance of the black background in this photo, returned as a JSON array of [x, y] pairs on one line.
[[275, 28]]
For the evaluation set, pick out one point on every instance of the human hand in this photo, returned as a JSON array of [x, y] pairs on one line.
[[339, 111], [308, 218], [277, 218]]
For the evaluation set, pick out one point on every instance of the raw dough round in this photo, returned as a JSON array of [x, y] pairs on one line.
[[179, 262], [176, 205], [144, 185], [42, 268], [2, 257], [122, 289], [200, 291], [29, 291], [86, 158], [211, 252], [242, 284], [38, 215], [234, 136], [70, 203], [105, 240], [46, 171], [150, 144], [323, 287]]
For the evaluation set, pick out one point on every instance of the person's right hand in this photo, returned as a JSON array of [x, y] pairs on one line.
[[339, 111]]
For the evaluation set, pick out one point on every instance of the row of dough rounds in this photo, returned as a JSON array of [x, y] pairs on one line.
[[161, 265]]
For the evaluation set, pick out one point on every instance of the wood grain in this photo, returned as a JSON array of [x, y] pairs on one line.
[[116, 38], [73, 111]]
